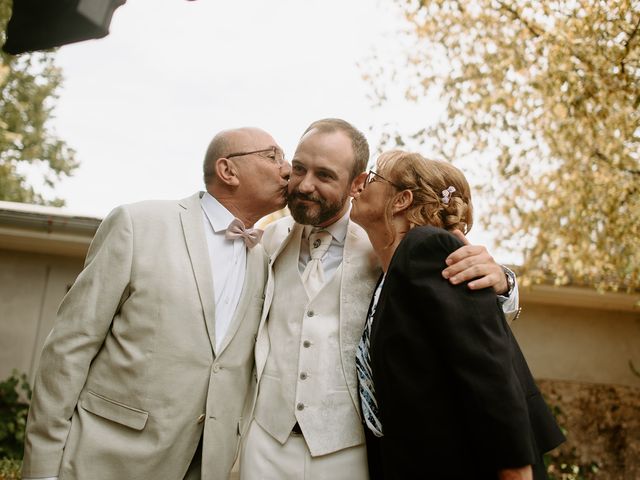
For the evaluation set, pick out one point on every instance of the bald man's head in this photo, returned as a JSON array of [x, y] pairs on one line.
[[226, 142], [245, 170]]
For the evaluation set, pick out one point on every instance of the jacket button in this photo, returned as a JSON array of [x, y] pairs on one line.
[[201, 418], [300, 406], [310, 313], [216, 368], [303, 376], [306, 344]]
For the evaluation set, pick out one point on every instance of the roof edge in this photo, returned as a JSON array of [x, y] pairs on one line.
[[581, 297]]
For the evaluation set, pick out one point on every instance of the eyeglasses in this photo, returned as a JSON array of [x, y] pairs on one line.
[[373, 177], [273, 154]]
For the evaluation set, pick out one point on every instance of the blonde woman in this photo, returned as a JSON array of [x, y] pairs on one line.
[[445, 390]]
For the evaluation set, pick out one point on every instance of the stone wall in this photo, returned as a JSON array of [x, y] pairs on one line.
[[602, 424]]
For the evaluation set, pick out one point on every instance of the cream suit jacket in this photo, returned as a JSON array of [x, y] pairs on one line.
[[360, 272], [129, 377]]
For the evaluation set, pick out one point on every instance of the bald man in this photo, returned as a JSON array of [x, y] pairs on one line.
[[151, 357]]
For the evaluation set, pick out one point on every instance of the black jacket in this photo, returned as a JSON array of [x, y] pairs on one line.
[[456, 397]]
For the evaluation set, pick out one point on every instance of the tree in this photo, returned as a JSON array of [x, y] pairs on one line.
[[28, 148], [546, 93]]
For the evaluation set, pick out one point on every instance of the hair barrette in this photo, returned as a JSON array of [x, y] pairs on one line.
[[446, 194]]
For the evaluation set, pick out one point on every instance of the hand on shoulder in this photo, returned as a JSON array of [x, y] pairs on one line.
[[475, 264]]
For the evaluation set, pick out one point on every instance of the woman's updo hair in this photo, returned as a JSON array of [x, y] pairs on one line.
[[428, 180]]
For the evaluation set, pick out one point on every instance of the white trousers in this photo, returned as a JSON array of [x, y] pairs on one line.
[[262, 457]]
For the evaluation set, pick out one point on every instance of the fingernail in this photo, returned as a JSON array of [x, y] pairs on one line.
[[448, 261]]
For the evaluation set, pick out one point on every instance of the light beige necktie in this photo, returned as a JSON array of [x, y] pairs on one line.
[[313, 275]]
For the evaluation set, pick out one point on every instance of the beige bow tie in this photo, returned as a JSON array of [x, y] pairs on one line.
[[236, 229]]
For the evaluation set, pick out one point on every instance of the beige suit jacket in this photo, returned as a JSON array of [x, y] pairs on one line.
[[129, 378], [360, 272]]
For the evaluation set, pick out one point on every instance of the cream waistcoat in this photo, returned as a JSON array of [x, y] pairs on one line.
[[303, 379], [313, 383]]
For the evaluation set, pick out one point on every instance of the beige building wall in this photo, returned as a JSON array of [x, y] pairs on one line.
[[579, 335], [42, 250], [31, 288]]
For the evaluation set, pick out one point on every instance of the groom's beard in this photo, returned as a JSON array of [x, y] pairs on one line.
[[316, 213]]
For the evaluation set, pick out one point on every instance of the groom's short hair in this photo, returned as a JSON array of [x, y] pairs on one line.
[[358, 141]]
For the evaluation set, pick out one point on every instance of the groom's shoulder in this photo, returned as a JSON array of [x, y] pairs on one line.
[[276, 232]]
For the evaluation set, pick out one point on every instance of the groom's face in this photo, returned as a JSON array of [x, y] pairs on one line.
[[320, 178]]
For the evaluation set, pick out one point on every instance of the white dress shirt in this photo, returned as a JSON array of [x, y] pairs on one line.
[[228, 263], [510, 301]]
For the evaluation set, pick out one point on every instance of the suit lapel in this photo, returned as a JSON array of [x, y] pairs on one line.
[[193, 228], [360, 272], [295, 229], [262, 341]]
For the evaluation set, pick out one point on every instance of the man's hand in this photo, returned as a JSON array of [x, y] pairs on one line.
[[475, 262], [524, 473]]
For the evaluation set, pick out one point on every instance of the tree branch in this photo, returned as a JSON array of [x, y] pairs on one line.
[[516, 15], [627, 45], [604, 159]]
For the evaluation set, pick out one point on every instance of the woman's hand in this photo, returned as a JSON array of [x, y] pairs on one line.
[[473, 262], [524, 473]]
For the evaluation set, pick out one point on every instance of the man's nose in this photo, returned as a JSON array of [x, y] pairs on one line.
[[285, 170], [306, 185]]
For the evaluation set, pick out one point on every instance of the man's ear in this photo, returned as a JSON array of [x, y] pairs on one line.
[[403, 200], [358, 184], [227, 172]]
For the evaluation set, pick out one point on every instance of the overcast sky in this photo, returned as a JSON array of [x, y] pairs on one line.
[[141, 105]]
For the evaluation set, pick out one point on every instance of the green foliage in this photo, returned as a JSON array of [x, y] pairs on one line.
[[10, 469], [28, 90], [568, 467], [559, 469], [562, 465], [15, 394], [546, 95]]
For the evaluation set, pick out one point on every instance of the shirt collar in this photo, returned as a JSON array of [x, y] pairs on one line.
[[337, 229], [218, 215]]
